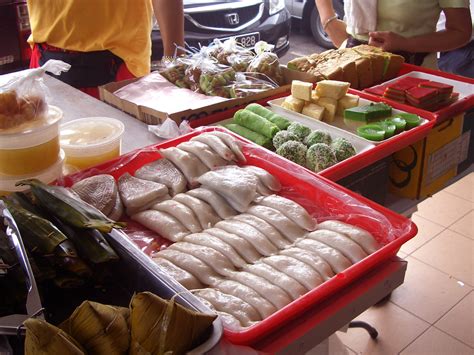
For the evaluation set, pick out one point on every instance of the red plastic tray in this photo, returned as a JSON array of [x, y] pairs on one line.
[[462, 105], [355, 163], [321, 197]]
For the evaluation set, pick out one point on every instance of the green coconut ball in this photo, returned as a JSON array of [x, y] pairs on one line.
[[294, 151], [320, 156], [343, 148], [318, 136], [299, 129], [282, 137]]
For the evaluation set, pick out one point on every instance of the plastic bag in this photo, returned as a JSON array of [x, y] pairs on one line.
[[247, 84], [24, 98], [231, 53], [170, 129], [175, 72], [266, 62]]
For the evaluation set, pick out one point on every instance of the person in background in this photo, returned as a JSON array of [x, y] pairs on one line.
[[405, 27], [459, 61], [104, 41]]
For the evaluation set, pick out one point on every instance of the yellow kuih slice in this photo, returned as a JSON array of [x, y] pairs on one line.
[[293, 104], [313, 111], [301, 90], [348, 101], [332, 88], [330, 106]]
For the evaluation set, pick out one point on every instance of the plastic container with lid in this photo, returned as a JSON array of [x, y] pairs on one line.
[[31, 147], [90, 141], [7, 182]]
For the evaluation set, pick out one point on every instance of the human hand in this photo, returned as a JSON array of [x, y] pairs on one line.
[[336, 30], [387, 40]]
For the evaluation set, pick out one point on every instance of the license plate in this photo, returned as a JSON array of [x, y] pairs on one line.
[[247, 40]]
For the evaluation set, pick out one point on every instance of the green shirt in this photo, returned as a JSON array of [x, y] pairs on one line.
[[411, 17]]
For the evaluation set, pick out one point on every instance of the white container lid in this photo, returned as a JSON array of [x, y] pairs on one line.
[[7, 182], [32, 133], [90, 136]]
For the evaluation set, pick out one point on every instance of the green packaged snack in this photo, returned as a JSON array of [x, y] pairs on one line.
[[255, 123], [278, 120], [255, 137]]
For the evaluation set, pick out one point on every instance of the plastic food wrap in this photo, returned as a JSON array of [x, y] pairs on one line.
[[247, 84], [24, 98], [323, 199], [266, 62], [175, 72], [231, 53], [215, 80]]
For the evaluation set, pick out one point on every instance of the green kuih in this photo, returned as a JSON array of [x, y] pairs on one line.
[[255, 123], [368, 113], [250, 135], [280, 121]]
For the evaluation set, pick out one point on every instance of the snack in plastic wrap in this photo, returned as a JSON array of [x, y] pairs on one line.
[[23, 99], [175, 73], [266, 62], [231, 53], [250, 84], [215, 80]]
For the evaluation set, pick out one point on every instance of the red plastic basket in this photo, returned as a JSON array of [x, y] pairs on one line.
[[321, 197], [462, 105]]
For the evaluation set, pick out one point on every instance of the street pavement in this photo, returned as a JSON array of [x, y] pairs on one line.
[[301, 44]]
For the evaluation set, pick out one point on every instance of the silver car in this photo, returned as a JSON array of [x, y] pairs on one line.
[[306, 11]]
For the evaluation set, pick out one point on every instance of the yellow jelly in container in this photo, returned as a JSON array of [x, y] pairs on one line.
[[31, 147], [91, 141], [52, 173]]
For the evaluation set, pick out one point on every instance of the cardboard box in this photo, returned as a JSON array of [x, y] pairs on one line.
[[424, 168], [152, 116]]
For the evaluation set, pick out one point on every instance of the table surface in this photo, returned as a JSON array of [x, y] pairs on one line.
[[326, 318], [76, 104]]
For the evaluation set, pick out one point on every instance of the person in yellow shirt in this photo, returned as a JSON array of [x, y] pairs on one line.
[[104, 41], [402, 26]]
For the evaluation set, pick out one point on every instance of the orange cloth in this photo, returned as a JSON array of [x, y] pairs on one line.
[[120, 26]]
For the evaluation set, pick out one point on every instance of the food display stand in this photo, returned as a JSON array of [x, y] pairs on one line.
[[323, 318]]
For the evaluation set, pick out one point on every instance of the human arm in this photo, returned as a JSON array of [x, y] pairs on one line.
[[457, 34], [170, 16], [336, 29]]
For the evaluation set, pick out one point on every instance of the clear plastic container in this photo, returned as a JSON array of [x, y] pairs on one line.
[[7, 182], [31, 148], [91, 141]]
